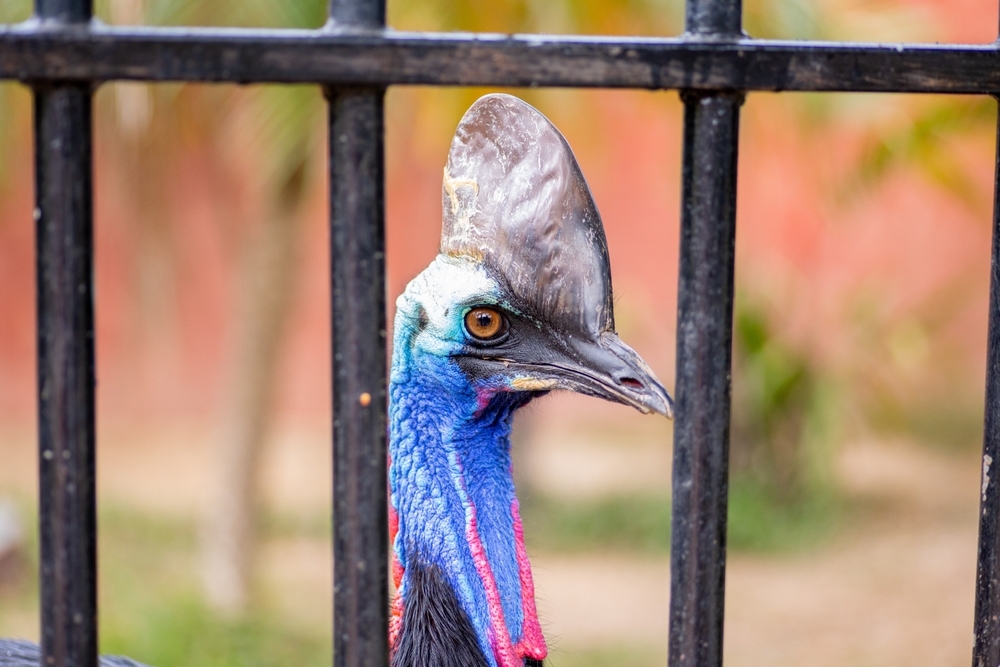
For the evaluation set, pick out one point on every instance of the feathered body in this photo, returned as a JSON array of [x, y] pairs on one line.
[[455, 511], [19, 653]]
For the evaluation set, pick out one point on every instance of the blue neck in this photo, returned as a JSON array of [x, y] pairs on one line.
[[453, 498]]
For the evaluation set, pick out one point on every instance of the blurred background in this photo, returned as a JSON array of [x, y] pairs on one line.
[[860, 333]]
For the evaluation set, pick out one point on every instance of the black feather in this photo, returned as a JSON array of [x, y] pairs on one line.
[[436, 631], [20, 653]]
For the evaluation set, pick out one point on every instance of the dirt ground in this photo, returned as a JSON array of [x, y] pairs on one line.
[[893, 588]]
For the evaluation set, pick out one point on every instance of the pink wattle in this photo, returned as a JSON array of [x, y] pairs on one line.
[[500, 638], [502, 647], [507, 654], [396, 610], [532, 644]]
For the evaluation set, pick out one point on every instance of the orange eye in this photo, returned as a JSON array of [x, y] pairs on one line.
[[484, 323]]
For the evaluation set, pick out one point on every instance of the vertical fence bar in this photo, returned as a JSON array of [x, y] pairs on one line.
[[704, 357], [986, 649], [704, 342], [713, 18], [357, 255], [64, 219]]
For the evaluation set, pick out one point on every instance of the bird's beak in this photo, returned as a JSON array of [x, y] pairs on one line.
[[606, 368]]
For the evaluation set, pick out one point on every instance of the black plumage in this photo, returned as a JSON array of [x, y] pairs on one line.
[[436, 630], [21, 653]]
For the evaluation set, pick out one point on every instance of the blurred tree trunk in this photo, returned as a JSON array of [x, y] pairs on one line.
[[266, 286]]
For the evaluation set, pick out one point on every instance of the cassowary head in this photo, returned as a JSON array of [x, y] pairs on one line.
[[517, 303]]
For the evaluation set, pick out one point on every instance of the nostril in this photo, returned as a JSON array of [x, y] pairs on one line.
[[631, 383]]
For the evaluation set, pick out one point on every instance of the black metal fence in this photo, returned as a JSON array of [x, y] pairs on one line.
[[63, 55]]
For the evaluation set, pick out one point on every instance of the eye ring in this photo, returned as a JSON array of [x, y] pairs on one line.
[[485, 324]]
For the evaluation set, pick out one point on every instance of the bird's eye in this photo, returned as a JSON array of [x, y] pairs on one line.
[[485, 323]]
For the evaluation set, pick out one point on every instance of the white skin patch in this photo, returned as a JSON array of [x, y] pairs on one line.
[[446, 290]]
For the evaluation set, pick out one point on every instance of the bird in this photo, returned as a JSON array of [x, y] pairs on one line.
[[21, 653], [517, 303]]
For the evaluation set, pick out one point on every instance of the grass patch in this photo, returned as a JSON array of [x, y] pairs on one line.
[[290, 525], [181, 631], [151, 607], [758, 521], [624, 523], [761, 522]]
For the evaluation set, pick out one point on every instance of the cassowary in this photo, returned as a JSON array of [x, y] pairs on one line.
[[517, 303], [18, 653]]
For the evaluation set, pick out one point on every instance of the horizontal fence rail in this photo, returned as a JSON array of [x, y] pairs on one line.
[[34, 52]]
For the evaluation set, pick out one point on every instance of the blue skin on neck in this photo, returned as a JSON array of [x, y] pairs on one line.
[[447, 450]]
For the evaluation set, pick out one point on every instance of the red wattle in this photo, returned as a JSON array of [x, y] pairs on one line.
[[532, 643], [396, 610], [503, 649]]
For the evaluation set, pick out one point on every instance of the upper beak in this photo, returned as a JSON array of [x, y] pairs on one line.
[[606, 368]]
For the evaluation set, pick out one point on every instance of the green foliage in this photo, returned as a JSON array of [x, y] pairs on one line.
[[624, 523], [915, 380], [15, 11], [780, 495], [295, 525], [636, 17], [923, 143], [761, 522], [777, 405], [245, 13], [637, 523], [151, 607], [783, 19], [181, 631]]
